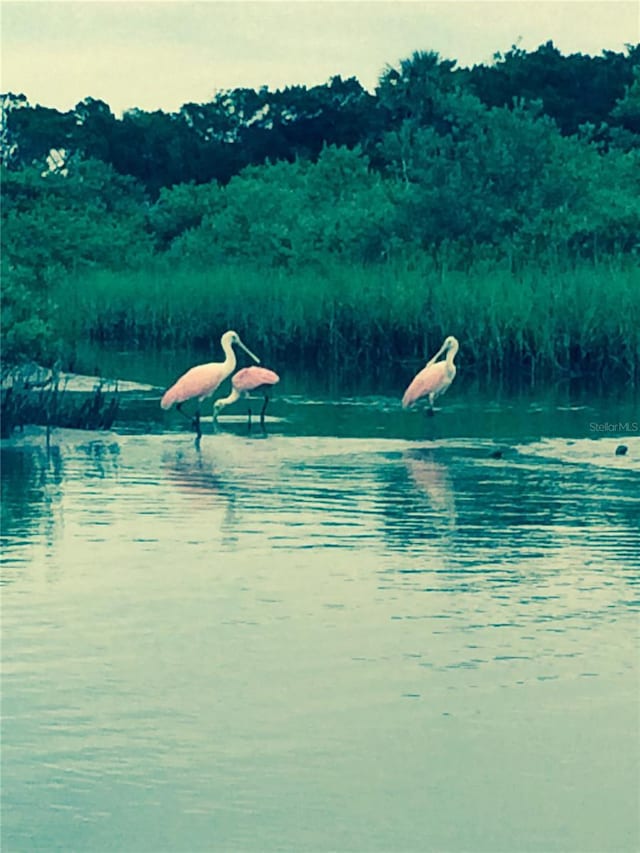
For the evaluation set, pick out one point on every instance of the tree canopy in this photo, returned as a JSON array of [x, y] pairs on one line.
[[535, 158], [243, 127]]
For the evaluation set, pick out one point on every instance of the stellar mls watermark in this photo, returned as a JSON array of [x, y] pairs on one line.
[[614, 426]]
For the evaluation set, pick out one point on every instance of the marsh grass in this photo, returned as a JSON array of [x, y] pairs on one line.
[[580, 320], [47, 402]]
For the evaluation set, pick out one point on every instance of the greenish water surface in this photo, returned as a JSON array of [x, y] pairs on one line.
[[359, 631]]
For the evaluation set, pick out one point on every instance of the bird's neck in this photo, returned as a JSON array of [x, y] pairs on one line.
[[229, 356], [451, 354], [227, 401]]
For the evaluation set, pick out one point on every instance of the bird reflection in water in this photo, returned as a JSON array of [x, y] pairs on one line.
[[197, 479], [434, 481]]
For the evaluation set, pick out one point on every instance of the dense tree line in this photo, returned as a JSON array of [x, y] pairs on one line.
[[534, 159], [595, 95]]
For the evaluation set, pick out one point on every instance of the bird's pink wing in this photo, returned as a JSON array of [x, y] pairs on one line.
[[201, 381], [430, 380], [250, 378]]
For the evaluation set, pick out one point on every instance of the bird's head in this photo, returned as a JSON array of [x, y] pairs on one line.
[[232, 337], [450, 343]]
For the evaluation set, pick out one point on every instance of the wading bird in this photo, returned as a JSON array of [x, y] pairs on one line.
[[434, 378], [243, 383], [201, 381]]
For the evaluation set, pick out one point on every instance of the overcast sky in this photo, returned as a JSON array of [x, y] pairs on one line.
[[159, 55]]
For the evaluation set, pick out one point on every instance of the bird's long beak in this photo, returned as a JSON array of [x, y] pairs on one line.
[[437, 355], [248, 351]]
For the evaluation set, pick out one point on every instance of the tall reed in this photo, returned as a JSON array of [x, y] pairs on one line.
[[537, 322]]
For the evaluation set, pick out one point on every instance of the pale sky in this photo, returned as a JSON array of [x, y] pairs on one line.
[[160, 55]]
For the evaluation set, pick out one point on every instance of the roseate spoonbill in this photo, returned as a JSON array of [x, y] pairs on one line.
[[243, 382], [202, 380], [434, 378]]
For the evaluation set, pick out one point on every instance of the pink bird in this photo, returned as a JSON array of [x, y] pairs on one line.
[[434, 378], [243, 383], [203, 380]]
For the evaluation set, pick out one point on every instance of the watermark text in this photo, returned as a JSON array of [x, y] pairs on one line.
[[614, 426]]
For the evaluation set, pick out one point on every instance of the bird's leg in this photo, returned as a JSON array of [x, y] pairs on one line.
[[430, 410], [196, 423], [182, 412], [248, 418], [264, 409]]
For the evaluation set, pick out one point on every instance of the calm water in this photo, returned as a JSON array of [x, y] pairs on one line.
[[358, 633]]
